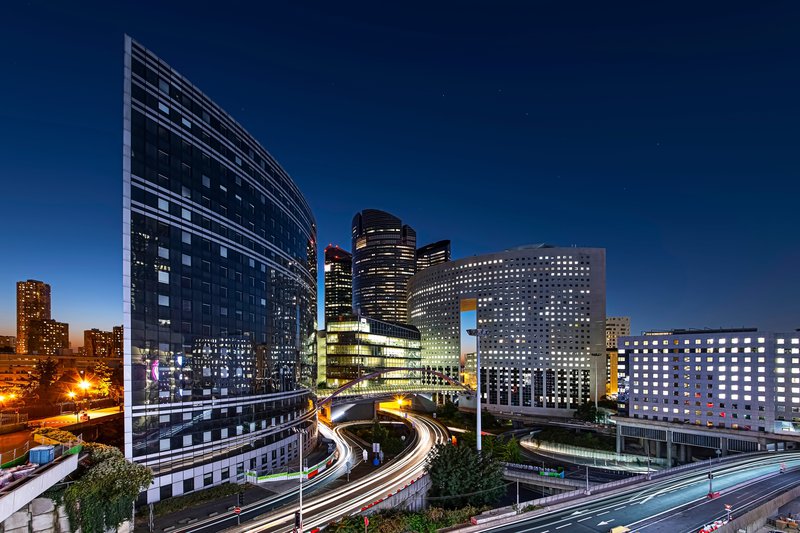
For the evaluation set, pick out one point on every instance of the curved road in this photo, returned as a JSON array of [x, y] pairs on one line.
[[266, 505], [322, 509], [673, 504]]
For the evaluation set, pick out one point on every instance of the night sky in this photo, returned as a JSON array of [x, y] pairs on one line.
[[665, 132]]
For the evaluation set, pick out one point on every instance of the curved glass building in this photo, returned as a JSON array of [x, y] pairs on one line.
[[384, 259], [543, 312], [220, 289]]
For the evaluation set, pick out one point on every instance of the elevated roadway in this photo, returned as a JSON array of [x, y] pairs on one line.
[[677, 503], [319, 510]]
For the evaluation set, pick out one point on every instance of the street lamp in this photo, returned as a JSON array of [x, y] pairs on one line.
[[71, 396], [300, 432], [711, 475], [478, 333]]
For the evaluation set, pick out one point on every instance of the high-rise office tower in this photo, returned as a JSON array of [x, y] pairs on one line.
[[384, 259], [219, 289], [47, 336], [338, 283], [98, 343], [433, 254], [617, 326], [33, 303], [543, 311]]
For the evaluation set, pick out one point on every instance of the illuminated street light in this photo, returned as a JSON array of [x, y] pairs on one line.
[[84, 384]]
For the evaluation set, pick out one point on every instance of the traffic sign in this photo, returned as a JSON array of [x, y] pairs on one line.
[[237, 510]]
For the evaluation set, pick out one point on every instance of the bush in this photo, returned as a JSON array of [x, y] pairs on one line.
[[58, 435], [394, 521], [103, 496]]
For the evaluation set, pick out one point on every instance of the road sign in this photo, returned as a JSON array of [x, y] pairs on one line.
[[237, 510], [366, 521]]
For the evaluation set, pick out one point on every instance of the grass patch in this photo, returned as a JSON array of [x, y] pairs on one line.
[[179, 503], [574, 438]]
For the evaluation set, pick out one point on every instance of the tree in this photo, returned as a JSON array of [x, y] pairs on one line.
[[460, 476], [103, 374], [511, 452], [102, 498], [586, 411], [42, 377]]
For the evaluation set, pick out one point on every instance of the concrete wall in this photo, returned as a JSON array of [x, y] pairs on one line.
[[755, 519], [42, 515]]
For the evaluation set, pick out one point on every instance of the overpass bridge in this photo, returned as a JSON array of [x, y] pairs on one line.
[[352, 397], [528, 475]]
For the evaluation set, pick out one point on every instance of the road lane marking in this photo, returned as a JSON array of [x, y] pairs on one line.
[[618, 508], [582, 519], [565, 525], [604, 512]]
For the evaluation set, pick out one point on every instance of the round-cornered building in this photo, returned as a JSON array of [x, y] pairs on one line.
[[543, 312]]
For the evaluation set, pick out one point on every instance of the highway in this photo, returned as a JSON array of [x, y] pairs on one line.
[[319, 510], [674, 504], [345, 448]]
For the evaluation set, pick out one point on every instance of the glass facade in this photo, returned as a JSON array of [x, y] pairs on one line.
[[357, 346], [219, 279], [384, 259], [433, 254], [338, 283]]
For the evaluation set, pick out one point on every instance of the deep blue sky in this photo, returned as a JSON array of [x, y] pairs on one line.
[[666, 133]]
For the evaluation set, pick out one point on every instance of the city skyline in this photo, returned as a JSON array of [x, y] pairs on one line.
[[675, 174]]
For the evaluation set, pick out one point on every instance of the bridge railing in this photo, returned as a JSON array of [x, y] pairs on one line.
[[506, 512]]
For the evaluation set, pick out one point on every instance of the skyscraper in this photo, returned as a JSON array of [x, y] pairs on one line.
[[617, 326], [219, 289], [543, 311], [338, 283], [384, 259], [433, 254], [33, 303]]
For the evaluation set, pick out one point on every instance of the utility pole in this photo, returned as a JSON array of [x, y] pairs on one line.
[[300, 432]]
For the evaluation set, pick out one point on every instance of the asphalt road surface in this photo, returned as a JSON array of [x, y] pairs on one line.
[[675, 504], [320, 510]]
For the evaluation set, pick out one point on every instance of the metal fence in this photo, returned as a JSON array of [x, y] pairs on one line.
[[605, 487], [13, 418]]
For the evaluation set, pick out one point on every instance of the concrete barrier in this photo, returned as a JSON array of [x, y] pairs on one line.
[[752, 521]]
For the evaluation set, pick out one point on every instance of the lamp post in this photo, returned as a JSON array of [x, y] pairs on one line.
[[300, 432], [478, 333], [711, 475], [71, 396]]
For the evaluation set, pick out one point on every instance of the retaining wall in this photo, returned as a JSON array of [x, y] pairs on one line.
[[43, 516]]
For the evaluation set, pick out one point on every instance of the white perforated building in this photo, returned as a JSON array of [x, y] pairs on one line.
[[543, 309]]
